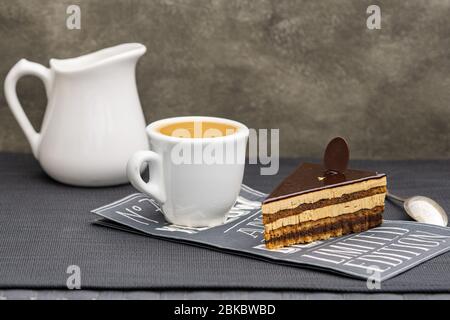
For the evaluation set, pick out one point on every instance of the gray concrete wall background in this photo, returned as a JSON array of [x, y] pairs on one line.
[[310, 68]]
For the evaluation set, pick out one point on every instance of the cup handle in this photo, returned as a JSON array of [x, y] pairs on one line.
[[155, 186], [20, 69]]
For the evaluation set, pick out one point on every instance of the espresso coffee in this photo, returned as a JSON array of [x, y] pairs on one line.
[[198, 129], [195, 181]]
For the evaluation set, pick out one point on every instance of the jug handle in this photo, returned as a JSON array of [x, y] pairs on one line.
[[155, 187], [20, 69]]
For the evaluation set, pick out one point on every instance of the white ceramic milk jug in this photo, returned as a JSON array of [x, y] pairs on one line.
[[93, 122]]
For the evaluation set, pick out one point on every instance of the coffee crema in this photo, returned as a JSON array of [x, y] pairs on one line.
[[198, 129]]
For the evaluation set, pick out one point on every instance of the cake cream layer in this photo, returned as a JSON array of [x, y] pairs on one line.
[[316, 226], [328, 211], [268, 218], [311, 197], [325, 228]]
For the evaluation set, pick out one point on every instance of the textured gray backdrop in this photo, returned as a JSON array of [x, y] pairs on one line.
[[310, 68]]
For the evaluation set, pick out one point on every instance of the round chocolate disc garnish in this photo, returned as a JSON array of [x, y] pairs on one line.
[[336, 155]]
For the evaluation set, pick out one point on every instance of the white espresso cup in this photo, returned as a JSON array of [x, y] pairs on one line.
[[196, 169]]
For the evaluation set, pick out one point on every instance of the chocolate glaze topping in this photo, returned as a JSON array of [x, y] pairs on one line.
[[309, 177]]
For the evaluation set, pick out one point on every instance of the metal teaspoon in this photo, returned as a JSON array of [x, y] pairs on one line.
[[423, 209]]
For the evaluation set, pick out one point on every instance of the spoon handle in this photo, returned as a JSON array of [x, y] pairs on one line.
[[390, 195]]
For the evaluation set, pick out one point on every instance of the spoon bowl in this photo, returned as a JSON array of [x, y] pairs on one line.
[[423, 209], [426, 210]]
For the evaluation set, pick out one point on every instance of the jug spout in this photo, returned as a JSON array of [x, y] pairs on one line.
[[126, 51]]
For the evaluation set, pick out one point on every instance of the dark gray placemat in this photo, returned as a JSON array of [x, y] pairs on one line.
[[45, 227]]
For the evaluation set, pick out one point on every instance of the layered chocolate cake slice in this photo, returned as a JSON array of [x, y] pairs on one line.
[[318, 201]]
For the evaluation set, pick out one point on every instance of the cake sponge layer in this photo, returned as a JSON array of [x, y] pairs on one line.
[[325, 228], [274, 206], [328, 212], [269, 218]]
